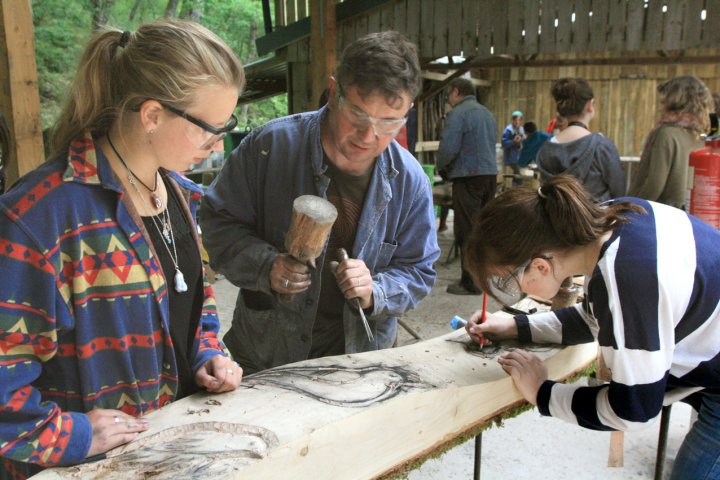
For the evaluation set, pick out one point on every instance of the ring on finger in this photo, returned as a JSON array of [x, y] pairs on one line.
[[116, 419], [230, 371], [286, 283]]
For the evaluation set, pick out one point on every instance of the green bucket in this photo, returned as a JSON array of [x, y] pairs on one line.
[[430, 172]]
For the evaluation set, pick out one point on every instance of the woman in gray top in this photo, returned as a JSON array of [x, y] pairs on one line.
[[590, 157]]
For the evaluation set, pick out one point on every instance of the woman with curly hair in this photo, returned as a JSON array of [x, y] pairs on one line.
[[662, 175]]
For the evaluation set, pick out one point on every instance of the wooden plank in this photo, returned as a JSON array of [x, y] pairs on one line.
[[634, 30], [617, 25], [387, 18], [400, 14], [563, 33], [516, 13], [581, 27], [598, 25], [439, 30], [470, 30], [286, 422], [362, 27], [531, 22], [427, 29], [711, 32], [692, 24], [485, 34], [291, 11], [547, 26], [373, 21], [413, 21], [653, 25], [19, 97], [454, 34], [500, 26], [672, 25], [302, 9]]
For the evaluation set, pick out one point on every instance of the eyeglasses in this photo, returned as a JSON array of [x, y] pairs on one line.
[[382, 127], [510, 285], [211, 135]]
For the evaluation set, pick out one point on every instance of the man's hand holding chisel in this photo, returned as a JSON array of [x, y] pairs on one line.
[[355, 282]]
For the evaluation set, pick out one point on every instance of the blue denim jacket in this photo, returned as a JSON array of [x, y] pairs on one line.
[[247, 212], [467, 142]]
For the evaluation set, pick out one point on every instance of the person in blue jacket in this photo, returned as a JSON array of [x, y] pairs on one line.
[[466, 156], [532, 143], [512, 142], [346, 153]]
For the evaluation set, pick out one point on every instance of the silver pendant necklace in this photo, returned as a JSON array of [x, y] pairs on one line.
[[166, 231]]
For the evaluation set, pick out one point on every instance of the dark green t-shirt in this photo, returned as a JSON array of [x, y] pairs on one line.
[[347, 193]]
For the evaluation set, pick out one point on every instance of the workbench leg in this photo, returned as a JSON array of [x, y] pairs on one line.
[[662, 442], [478, 456], [615, 456]]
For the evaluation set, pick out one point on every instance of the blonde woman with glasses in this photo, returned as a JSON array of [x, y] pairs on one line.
[[105, 312]]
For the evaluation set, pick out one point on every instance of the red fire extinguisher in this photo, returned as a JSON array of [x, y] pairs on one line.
[[705, 193]]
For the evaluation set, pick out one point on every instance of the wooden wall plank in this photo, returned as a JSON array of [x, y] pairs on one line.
[[516, 11], [563, 33], [427, 29], [454, 30], [362, 27], [387, 17], [373, 21], [547, 25], [470, 30], [290, 11], [400, 14], [302, 9], [653, 25], [440, 29], [581, 27], [500, 25], [672, 25], [617, 25], [531, 22], [635, 25], [711, 32], [598, 25], [413, 21], [692, 23], [485, 34]]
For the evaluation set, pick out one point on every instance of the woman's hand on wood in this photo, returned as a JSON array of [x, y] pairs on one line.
[[112, 428], [219, 374], [528, 372]]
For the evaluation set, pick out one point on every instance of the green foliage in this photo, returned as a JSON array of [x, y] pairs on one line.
[[63, 27]]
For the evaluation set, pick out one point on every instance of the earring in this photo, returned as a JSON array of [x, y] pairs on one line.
[[151, 132]]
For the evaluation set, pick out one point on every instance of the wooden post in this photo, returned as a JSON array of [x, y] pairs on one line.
[[322, 45], [19, 97], [617, 438]]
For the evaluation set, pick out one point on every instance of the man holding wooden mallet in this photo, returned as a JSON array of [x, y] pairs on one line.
[[288, 311]]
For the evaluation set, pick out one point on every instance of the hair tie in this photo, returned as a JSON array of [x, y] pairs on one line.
[[124, 38], [541, 194]]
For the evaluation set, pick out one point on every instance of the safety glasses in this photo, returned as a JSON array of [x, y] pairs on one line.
[[210, 135]]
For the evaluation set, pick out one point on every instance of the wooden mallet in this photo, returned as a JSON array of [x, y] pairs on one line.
[[312, 220]]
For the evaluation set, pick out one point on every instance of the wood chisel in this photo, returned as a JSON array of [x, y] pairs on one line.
[[342, 256]]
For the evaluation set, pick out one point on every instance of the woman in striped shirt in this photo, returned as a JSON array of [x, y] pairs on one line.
[[652, 303]]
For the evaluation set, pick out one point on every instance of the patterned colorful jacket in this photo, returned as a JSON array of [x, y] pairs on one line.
[[83, 308]]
